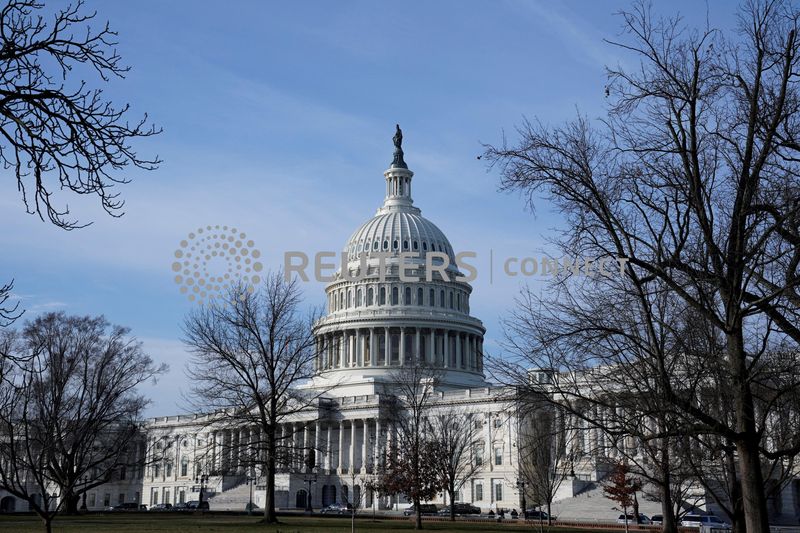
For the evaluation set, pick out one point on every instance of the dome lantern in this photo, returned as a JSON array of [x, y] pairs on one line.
[[398, 177]]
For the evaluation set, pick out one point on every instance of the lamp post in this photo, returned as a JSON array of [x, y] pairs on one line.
[[85, 483], [521, 487], [309, 478], [250, 480], [202, 479]]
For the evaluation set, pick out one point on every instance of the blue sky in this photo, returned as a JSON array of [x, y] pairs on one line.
[[278, 118]]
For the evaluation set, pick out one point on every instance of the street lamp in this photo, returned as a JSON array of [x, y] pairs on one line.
[[521, 487], [309, 479], [85, 483], [202, 479], [250, 480]]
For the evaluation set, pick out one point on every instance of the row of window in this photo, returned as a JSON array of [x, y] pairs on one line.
[[446, 299], [407, 246]]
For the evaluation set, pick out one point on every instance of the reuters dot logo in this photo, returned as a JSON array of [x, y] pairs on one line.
[[211, 259]]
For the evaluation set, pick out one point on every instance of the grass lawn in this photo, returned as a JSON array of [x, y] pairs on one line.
[[179, 523]]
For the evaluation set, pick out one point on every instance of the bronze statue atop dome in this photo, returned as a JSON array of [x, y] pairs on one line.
[[398, 162]]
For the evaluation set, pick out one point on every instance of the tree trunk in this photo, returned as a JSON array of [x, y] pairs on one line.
[[48, 524], [452, 493], [737, 509], [752, 486], [752, 481], [71, 503], [625, 514], [269, 504], [635, 508], [418, 514], [669, 523]]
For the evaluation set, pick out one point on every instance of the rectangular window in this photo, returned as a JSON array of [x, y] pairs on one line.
[[479, 455], [92, 499], [498, 456], [166, 497], [121, 498], [156, 470], [498, 492], [185, 468], [498, 422], [122, 473], [106, 499], [479, 492], [169, 470]]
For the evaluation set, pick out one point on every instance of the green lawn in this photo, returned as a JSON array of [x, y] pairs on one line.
[[178, 523]]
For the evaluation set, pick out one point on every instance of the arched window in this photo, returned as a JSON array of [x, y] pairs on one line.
[[441, 298], [424, 246], [419, 296], [458, 301], [349, 298], [385, 245], [451, 299], [358, 298], [394, 245], [432, 298], [405, 245], [184, 467], [394, 295], [408, 296], [341, 300], [370, 294], [383, 296], [375, 245], [416, 245]]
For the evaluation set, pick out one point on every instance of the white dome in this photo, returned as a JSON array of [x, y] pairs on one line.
[[398, 231]]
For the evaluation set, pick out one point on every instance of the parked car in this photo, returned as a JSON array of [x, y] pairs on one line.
[[195, 505], [467, 508], [535, 514], [425, 508], [161, 507], [130, 506], [696, 520], [657, 520], [631, 519], [142, 507], [180, 506], [337, 508]]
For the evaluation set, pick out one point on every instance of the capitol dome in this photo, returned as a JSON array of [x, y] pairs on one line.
[[393, 230], [376, 324]]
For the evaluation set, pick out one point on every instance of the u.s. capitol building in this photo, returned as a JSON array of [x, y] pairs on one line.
[[372, 328]]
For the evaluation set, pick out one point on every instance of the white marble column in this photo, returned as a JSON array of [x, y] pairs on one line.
[[329, 448], [318, 445], [446, 348], [459, 353], [418, 356], [365, 435], [341, 445], [402, 347], [373, 351], [387, 347], [352, 465], [429, 353]]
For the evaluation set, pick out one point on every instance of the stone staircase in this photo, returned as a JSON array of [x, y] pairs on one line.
[[234, 499], [592, 505]]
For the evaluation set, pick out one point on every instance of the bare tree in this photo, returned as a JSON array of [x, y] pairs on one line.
[[410, 467], [543, 452], [250, 352], [8, 312], [56, 131], [692, 182], [455, 438], [69, 410]]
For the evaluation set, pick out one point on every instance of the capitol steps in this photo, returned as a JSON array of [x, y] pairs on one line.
[[591, 504], [233, 499]]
